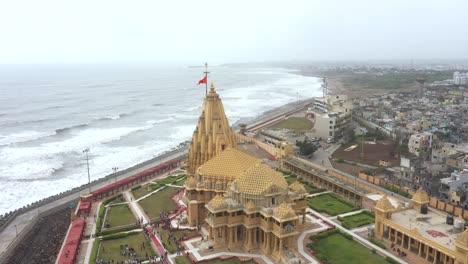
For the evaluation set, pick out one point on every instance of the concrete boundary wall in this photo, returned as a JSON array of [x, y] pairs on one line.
[[21, 236]]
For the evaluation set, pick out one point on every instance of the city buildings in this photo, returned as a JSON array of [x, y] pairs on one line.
[[330, 116]]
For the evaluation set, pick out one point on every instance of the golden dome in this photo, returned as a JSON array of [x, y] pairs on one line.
[[260, 179], [384, 204], [297, 187], [420, 196], [284, 211], [229, 163], [218, 202], [191, 182]]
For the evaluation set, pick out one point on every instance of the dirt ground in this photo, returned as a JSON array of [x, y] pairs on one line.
[[351, 169], [373, 153]]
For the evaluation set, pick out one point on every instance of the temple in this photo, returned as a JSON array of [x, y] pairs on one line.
[[244, 203]]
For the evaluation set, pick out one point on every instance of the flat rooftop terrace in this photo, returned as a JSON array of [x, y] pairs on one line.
[[431, 226]]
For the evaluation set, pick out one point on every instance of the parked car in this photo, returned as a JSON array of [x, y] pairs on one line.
[[330, 140]]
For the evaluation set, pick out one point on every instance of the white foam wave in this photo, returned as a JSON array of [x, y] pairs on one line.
[[164, 120], [42, 161], [23, 137]]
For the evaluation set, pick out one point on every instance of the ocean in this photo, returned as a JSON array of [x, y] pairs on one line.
[[124, 114]]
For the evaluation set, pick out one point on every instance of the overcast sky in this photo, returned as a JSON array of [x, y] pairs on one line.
[[230, 31]]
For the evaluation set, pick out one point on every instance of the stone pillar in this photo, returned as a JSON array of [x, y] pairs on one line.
[[409, 243], [280, 249], [435, 257], [420, 245], [427, 252]]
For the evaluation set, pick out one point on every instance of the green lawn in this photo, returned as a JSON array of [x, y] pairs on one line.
[[171, 246], [337, 249], [181, 182], [144, 190], [160, 201], [290, 179], [110, 249], [357, 220], [330, 204], [295, 123], [119, 215]]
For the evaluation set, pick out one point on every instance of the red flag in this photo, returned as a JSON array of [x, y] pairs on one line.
[[202, 81]]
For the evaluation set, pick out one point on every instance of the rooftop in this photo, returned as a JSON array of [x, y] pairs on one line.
[[431, 226]]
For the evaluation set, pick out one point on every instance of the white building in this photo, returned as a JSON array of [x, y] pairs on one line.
[[452, 187], [330, 116], [420, 142], [460, 78]]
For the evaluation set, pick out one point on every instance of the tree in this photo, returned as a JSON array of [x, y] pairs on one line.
[[306, 147]]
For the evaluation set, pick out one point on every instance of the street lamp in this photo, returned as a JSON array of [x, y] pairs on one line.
[[114, 170], [86, 150]]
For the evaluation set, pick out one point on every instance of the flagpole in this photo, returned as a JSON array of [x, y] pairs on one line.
[[206, 77]]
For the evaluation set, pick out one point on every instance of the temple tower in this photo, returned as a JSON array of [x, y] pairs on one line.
[[212, 134], [420, 199], [383, 210]]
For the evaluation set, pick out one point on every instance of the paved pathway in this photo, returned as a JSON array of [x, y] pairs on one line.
[[140, 214], [347, 214]]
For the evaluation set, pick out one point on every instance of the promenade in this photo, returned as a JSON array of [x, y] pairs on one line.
[[22, 221]]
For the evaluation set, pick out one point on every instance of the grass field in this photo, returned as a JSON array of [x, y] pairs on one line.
[[295, 123], [110, 249], [330, 204], [172, 246], [337, 249], [160, 201], [141, 192], [119, 215], [357, 220]]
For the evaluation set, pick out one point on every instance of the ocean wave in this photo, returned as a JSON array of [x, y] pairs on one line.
[[164, 120], [67, 129], [23, 137], [108, 117]]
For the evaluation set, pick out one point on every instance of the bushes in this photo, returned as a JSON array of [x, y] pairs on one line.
[[377, 243], [105, 202], [391, 260], [100, 217], [94, 251], [136, 188], [119, 235], [168, 246], [119, 229], [396, 190]]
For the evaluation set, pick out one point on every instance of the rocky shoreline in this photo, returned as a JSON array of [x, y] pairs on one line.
[[42, 244]]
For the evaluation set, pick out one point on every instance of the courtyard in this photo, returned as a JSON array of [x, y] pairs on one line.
[[113, 249], [118, 215], [334, 247], [297, 124], [330, 204], [361, 219], [159, 202]]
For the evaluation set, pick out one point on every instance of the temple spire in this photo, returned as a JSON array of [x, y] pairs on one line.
[[213, 133]]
